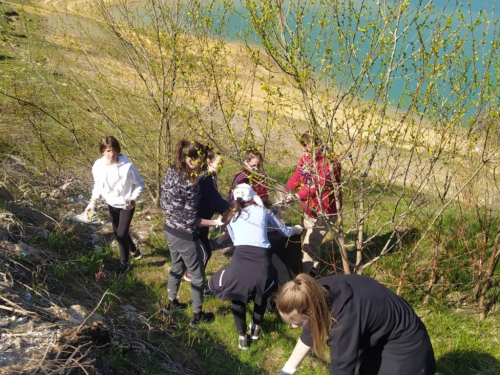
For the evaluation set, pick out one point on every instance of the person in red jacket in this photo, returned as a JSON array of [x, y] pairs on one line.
[[317, 179], [253, 174]]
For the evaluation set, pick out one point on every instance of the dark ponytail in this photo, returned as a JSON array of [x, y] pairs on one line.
[[234, 210]]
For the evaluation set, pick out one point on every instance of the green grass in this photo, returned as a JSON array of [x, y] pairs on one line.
[[462, 344]]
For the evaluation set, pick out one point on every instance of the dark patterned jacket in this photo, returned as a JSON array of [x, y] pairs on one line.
[[179, 202]]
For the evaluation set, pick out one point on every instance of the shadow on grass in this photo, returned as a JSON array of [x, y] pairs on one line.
[[466, 362], [394, 240]]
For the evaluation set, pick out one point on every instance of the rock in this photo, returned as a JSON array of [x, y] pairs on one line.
[[5, 194], [79, 313], [19, 250], [95, 238], [129, 307], [456, 297], [42, 234], [62, 190]]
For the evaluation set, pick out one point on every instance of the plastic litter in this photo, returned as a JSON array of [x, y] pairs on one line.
[[95, 238], [83, 218]]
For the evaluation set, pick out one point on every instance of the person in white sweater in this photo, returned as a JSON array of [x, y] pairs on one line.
[[117, 180]]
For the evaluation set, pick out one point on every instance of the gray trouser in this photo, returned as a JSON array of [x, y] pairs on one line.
[[186, 254]]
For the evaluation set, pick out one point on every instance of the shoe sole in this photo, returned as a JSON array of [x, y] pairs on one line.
[[187, 279], [136, 257]]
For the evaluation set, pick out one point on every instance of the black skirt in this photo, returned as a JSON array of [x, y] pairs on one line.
[[249, 277]]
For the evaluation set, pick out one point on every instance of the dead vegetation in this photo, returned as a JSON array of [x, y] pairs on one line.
[[50, 301]]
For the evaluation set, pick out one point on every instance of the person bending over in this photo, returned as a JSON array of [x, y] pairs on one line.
[[250, 276], [368, 328]]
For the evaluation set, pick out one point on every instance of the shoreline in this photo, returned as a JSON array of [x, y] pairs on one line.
[[78, 8]]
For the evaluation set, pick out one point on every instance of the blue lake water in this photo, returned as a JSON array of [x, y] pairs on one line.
[[239, 25], [402, 81]]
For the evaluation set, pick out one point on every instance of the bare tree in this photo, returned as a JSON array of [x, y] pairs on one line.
[[396, 92]]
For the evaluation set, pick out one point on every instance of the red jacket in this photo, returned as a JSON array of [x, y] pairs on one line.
[[255, 180], [311, 178]]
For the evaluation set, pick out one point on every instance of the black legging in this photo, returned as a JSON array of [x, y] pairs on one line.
[[121, 220], [239, 315]]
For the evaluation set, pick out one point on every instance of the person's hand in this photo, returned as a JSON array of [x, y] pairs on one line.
[[298, 229], [219, 222], [90, 207], [129, 204]]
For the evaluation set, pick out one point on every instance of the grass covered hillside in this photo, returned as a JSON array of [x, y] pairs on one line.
[[419, 178]]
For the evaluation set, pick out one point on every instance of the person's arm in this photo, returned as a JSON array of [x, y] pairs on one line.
[[306, 192], [192, 199], [134, 177], [274, 223], [96, 190], [298, 354], [209, 193], [164, 198], [295, 181], [208, 223]]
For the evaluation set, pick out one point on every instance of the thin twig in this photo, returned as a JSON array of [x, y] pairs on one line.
[[99, 304], [16, 311]]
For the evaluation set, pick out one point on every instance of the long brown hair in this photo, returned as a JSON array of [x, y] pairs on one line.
[[193, 149], [303, 299]]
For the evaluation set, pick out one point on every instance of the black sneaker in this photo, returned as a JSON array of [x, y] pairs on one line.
[[123, 270], [174, 305], [137, 255], [243, 343], [201, 317], [207, 293]]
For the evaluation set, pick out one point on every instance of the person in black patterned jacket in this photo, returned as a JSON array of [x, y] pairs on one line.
[[180, 196]]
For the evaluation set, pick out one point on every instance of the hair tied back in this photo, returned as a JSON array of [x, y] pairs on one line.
[[296, 282]]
